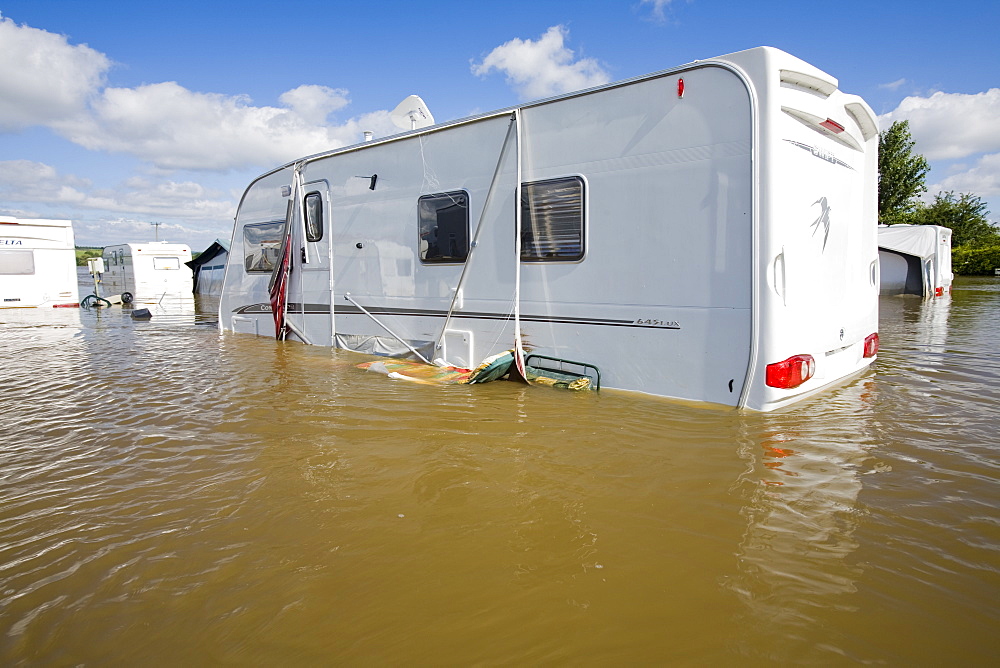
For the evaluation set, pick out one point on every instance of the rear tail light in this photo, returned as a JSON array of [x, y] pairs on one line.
[[833, 126], [871, 345], [792, 372]]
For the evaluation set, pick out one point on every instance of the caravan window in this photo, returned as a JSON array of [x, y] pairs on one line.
[[552, 220], [261, 246], [17, 262], [166, 263], [314, 216], [444, 227]]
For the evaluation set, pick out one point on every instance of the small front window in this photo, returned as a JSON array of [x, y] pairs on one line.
[[261, 246], [166, 263], [444, 227], [552, 220], [314, 216], [17, 262]]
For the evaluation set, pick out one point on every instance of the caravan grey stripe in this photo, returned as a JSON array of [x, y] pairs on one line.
[[323, 309]]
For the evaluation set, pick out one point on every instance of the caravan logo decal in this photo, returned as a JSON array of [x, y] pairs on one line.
[[820, 153], [822, 220]]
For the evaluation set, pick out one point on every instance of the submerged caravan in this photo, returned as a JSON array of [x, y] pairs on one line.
[[37, 263], [705, 233]]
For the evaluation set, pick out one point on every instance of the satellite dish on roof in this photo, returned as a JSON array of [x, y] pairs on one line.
[[411, 114]]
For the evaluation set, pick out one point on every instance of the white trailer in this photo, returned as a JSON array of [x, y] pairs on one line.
[[915, 260], [147, 272], [37, 263], [704, 233]]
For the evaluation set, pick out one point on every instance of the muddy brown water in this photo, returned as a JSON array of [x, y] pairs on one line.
[[172, 495]]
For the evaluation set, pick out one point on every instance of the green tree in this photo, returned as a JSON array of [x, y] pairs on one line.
[[82, 254], [969, 261], [901, 174], [965, 215]]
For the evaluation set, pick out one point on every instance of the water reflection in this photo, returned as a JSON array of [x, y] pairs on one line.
[[800, 491], [918, 327]]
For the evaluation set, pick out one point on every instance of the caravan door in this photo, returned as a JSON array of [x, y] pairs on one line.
[[309, 314]]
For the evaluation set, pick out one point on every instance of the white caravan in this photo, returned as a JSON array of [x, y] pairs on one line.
[[147, 272], [915, 260], [37, 263], [704, 233]]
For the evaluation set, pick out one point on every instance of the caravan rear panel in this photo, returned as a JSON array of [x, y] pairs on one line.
[[37, 263]]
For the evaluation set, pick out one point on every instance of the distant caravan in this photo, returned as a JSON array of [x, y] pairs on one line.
[[147, 272], [915, 260], [37, 263], [705, 233]]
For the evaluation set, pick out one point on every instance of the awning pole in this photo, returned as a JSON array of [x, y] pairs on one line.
[[378, 322]]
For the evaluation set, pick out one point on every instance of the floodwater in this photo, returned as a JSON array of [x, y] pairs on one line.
[[171, 495]]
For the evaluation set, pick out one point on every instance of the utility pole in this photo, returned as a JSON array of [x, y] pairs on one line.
[[157, 227]]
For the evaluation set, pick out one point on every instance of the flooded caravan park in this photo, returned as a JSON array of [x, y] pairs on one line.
[[172, 495]]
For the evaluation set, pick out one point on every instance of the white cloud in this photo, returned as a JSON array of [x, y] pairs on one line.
[[659, 12], [43, 78], [26, 176], [951, 126], [314, 103], [542, 68], [893, 85], [37, 183], [982, 179], [172, 127], [45, 81]]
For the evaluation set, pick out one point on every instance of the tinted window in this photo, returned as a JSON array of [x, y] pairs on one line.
[[552, 220], [444, 227], [314, 216]]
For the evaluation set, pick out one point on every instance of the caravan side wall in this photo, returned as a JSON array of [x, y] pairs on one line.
[[37, 263], [660, 300]]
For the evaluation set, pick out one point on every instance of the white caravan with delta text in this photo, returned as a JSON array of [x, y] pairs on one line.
[[37, 263]]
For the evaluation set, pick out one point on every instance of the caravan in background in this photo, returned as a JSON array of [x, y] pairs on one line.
[[147, 272], [37, 263]]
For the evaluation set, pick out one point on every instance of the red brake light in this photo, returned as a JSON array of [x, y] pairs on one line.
[[680, 87], [792, 372], [833, 126], [871, 345]]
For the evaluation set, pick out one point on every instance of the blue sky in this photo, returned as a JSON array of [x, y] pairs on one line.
[[117, 115]]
